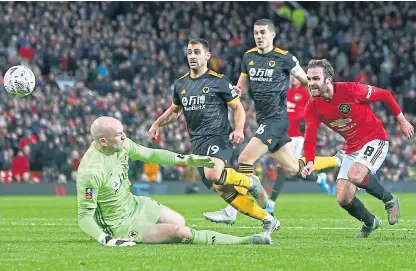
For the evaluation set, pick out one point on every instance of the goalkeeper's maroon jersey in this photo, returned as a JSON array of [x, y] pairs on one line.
[[349, 114]]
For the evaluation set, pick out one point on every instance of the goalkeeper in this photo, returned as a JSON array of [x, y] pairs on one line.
[[112, 215]]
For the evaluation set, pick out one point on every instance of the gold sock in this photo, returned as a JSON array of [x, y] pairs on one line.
[[241, 190], [323, 162], [246, 205], [230, 176], [247, 170]]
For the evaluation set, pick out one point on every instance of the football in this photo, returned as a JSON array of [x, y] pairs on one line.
[[19, 81]]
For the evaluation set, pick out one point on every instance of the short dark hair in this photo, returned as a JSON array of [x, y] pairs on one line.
[[205, 44], [267, 22], [324, 64]]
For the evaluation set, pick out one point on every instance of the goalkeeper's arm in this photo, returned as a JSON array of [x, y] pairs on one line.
[[165, 157], [88, 225]]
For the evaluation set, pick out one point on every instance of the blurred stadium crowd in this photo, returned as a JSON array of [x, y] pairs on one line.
[[121, 59]]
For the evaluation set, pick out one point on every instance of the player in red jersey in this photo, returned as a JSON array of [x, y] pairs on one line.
[[344, 108], [297, 97]]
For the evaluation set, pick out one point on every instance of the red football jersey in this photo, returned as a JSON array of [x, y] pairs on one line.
[[296, 102], [349, 114]]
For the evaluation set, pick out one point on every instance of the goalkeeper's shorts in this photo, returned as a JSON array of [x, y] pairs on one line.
[[147, 214]]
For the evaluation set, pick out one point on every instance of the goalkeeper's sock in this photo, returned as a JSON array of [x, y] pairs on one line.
[[374, 188], [246, 205], [230, 176], [216, 238], [323, 162], [356, 209]]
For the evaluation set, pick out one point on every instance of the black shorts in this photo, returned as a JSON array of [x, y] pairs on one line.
[[273, 133], [215, 146]]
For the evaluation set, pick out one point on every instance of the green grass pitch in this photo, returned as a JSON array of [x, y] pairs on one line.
[[41, 233]]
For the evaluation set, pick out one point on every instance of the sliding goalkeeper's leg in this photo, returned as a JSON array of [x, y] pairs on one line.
[[170, 233]]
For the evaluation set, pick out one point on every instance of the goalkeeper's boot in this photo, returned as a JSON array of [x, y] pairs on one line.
[[258, 192], [393, 210], [367, 230], [220, 216], [263, 238], [270, 226]]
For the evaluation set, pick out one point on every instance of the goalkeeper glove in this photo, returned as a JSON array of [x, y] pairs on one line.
[[112, 242], [193, 160]]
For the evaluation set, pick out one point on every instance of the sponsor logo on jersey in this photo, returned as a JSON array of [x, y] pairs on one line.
[[340, 122], [88, 193], [205, 90], [183, 91], [116, 185], [251, 63], [261, 75], [344, 108], [193, 103]]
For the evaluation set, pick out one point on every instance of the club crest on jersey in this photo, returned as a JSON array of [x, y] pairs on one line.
[[205, 90], [272, 63], [297, 97], [344, 108], [133, 234], [88, 193]]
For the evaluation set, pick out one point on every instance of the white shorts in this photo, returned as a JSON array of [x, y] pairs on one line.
[[371, 155], [297, 146]]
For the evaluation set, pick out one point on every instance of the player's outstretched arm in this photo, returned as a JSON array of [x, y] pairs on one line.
[[169, 116], [366, 93], [405, 125], [165, 157], [88, 225]]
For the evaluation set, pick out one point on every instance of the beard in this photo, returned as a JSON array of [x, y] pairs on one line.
[[324, 92], [320, 91]]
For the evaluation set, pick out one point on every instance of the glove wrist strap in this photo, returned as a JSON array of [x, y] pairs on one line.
[[180, 159]]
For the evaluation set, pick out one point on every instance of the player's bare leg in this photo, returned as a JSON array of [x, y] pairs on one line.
[[170, 216], [347, 200], [170, 233], [359, 175]]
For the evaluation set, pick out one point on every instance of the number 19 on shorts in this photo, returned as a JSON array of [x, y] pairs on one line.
[[213, 149]]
